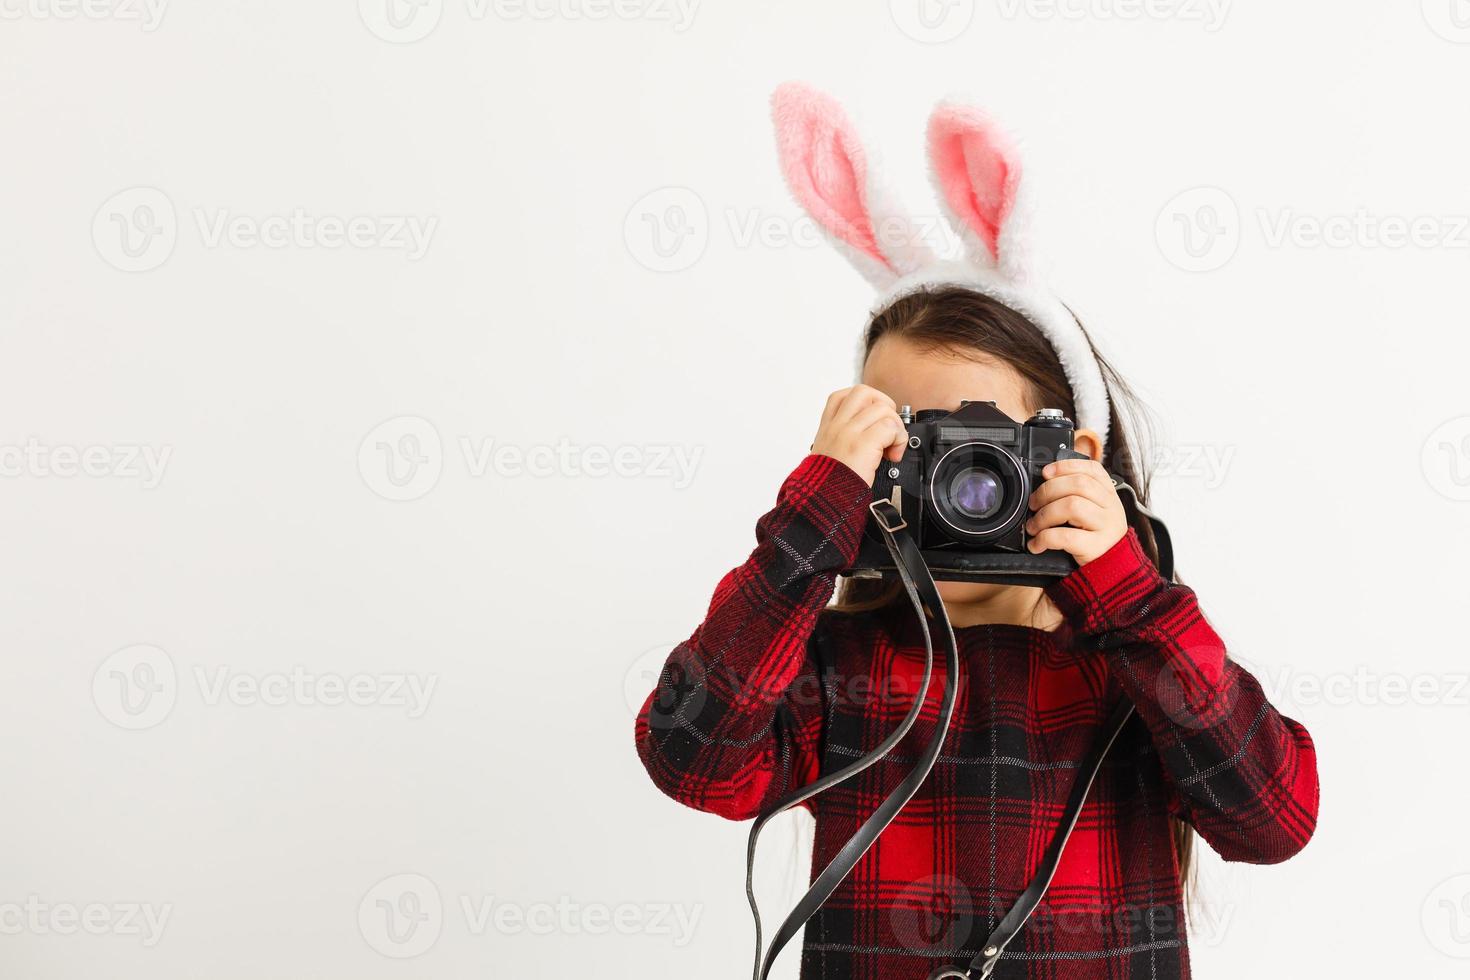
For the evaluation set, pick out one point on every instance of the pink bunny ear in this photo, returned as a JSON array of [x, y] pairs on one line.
[[830, 176], [978, 174]]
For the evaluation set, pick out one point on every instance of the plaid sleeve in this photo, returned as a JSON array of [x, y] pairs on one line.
[[1242, 774], [735, 718]]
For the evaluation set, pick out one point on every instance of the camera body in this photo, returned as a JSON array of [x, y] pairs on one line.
[[962, 488]]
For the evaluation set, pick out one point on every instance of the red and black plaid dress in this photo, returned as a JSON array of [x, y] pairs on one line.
[[773, 689]]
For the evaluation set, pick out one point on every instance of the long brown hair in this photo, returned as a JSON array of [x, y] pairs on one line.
[[960, 321]]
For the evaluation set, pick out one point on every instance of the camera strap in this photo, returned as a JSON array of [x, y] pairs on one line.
[[919, 585]]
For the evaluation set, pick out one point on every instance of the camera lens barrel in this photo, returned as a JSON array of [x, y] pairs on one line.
[[978, 492]]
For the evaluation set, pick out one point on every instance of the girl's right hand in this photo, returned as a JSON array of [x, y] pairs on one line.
[[860, 427]]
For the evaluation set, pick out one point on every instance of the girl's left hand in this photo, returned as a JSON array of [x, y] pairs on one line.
[[1076, 511]]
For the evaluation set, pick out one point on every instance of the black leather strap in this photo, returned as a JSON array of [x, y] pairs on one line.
[[998, 567]]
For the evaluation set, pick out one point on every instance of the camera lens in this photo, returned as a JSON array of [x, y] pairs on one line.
[[976, 493]]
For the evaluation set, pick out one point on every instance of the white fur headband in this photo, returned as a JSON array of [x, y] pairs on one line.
[[977, 174]]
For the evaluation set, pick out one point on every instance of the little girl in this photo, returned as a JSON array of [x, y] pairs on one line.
[[777, 687]]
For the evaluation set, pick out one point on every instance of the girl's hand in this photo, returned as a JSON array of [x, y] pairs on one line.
[[860, 426], [1076, 511]]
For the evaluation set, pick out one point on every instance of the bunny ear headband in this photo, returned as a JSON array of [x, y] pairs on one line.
[[977, 174]]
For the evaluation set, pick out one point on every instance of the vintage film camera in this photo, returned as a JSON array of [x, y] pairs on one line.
[[962, 486]]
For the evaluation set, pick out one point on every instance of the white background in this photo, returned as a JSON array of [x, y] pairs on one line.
[[1312, 398]]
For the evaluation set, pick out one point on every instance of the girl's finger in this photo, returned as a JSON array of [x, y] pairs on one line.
[[1078, 467], [1069, 539], [873, 416], [898, 443], [1076, 511], [858, 400], [834, 401], [1075, 485]]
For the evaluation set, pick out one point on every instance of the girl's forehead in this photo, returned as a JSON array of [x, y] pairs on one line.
[[924, 378]]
